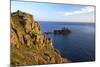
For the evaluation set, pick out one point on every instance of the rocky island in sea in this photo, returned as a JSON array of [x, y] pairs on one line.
[[30, 46], [62, 31]]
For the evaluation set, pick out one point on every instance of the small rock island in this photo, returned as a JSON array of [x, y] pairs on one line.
[[63, 30]]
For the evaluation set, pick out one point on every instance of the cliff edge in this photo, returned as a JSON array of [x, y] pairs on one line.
[[29, 46]]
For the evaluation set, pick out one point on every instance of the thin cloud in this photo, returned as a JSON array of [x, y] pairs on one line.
[[80, 11]]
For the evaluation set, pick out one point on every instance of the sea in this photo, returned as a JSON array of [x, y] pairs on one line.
[[77, 46]]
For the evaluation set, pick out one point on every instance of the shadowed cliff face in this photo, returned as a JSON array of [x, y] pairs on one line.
[[29, 46]]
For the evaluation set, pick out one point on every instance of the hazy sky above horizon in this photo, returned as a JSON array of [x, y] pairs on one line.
[[56, 12]]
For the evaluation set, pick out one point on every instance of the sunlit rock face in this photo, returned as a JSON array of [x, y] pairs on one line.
[[29, 46]]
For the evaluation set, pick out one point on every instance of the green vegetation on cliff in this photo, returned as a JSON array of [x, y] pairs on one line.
[[29, 46]]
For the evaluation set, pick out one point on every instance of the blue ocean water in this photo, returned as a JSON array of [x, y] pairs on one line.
[[79, 45]]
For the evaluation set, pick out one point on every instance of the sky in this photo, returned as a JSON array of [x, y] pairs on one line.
[[56, 12]]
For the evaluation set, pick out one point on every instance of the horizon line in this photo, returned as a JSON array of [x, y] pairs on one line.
[[65, 21]]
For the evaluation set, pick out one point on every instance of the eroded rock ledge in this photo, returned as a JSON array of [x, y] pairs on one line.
[[29, 46]]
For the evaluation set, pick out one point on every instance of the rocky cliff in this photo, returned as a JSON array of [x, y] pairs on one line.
[[29, 46]]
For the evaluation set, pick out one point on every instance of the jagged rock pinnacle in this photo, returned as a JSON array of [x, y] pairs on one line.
[[29, 46]]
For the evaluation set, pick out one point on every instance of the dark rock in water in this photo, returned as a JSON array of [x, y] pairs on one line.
[[48, 32], [62, 31]]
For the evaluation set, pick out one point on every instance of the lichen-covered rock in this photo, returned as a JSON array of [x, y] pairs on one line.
[[14, 39], [28, 23], [28, 40], [29, 46]]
